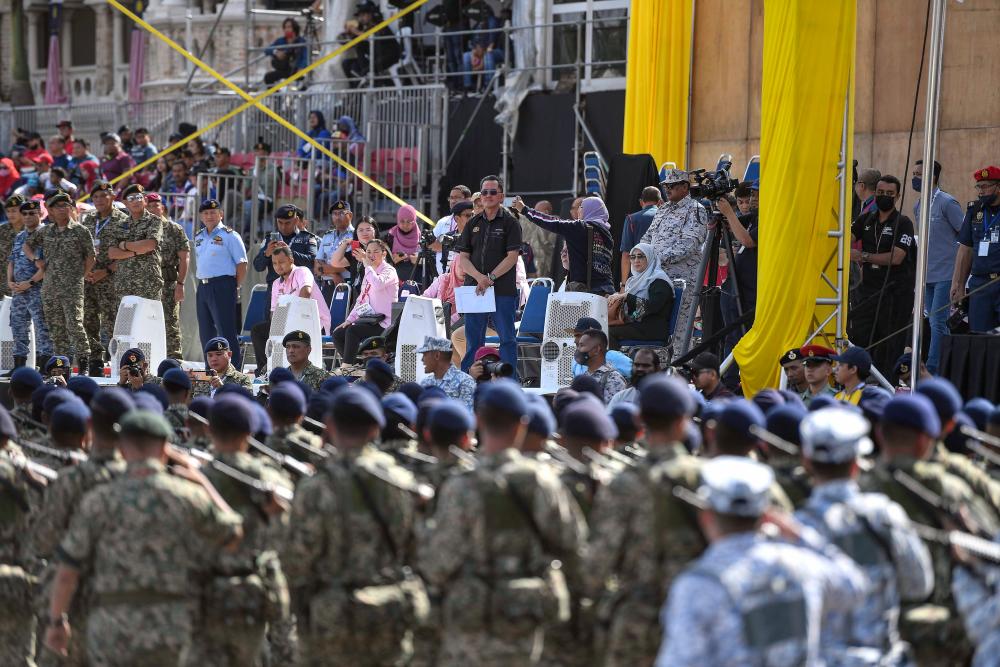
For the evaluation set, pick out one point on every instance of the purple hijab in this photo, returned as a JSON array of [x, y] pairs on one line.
[[594, 210]]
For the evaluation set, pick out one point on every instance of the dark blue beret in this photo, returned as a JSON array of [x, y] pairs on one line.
[[666, 396], [112, 402], [287, 400], [233, 388], [232, 413], [330, 385], [57, 361], [915, 411], [379, 366], [503, 394], [822, 401], [132, 356], [39, 395], [356, 403], [281, 374], [541, 421], [70, 417], [166, 365], [27, 377], [261, 421], [176, 377], [157, 392], [766, 399], [625, 415], [56, 398], [428, 393], [318, 405], [411, 390], [401, 406], [872, 402], [587, 383], [201, 406], [588, 419], [84, 387], [784, 420], [450, 416], [217, 344], [979, 410], [740, 416], [946, 399], [146, 401]]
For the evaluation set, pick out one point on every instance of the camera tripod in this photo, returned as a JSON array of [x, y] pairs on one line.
[[426, 267]]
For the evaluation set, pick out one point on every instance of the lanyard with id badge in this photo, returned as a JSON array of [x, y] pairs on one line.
[[990, 230]]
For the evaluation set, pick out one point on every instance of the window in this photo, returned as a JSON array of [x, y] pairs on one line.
[[598, 29], [83, 24]]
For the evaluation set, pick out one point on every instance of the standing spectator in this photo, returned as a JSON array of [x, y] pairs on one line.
[[636, 225], [372, 312], [741, 279], [591, 351], [865, 190], [175, 252], [181, 204], [289, 53], [65, 128], [644, 305], [979, 253], [226, 183], [794, 369], [318, 131], [436, 357], [23, 281], [678, 234], [99, 295], [404, 242], [490, 245], [143, 148], [116, 161], [883, 302], [449, 223], [268, 175], [137, 249], [590, 243], [341, 231], [84, 168], [386, 45], [942, 245], [221, 261], [9, 231], [57, 148], [69, 248], [9, 175], [706, 374]]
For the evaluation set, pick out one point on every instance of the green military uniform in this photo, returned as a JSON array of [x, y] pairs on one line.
[[65, 251], [174, 241], [141, 275], [100, 301], [176, 415], [17, 620], [140, 539], [246, 589], [807, 395], [281, 439], [231, 376], [27, 427], [311, 376], [349, 535]]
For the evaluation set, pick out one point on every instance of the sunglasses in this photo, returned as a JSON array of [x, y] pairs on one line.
[[136, 198], [635, 257], [671, 186], [490, 193]]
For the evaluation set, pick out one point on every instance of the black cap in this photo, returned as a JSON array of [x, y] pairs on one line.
[[340, 205], [102, 186], [287, 212], [461, 207], [790, 356], [585, 324], [372, 343], [209, 205], [296, 337], [705, 361]]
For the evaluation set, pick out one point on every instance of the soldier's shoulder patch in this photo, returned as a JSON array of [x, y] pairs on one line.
[[225, 229]]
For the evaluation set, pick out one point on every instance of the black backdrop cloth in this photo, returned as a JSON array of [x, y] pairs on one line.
[[972, 363]]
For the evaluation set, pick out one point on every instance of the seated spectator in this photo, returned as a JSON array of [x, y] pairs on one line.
[[645, 361], [142, 148], [55, 179], [116, 161], [201, 157], [84, 167], [404, 241], [620, 361], [372, 312], [57, 149], [386, 45], [707, 378], [160, 174], [9, 175], [479, 63], [442, 373], [65, 129], [289, 53], [346, 257], [125, 132], [591, 351], [591, 245], [35, 149], [642, 310], [318, 131]]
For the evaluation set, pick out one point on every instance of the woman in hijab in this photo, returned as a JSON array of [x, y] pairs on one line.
[[589, 241], [642, 310], [318, 131], [404, 241]]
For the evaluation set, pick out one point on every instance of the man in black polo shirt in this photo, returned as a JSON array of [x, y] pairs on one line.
[[490, 245]]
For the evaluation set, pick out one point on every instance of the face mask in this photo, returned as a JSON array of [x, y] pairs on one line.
[[581, 357], [289, 35], [916, 182], [885, 202]]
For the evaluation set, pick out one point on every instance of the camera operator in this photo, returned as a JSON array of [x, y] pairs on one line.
[[133, 370], [450, 225], [57, 370], [488, 366], [678, 233], [744, 283]]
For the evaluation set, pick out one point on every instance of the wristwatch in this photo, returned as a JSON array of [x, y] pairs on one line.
[[492, 277], [865, 256]]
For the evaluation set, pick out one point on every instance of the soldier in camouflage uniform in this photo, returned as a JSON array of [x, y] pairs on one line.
[[25, 281], [175, 252], [908, 429], [197, 424], [8, 231], [219, 358], [372, 347], [62, 499], [137, 249], [100, 298], [177, 384], [287, 407], [67, 251], [246, 589], [491, 544], [350, 537], [397, 438], [298, 347], [17, 619], [140, 539], [23, 382]]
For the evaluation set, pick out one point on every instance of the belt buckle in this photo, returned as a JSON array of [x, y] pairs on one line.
[[203, 281]]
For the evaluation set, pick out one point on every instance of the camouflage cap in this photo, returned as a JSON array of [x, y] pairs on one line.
[[834, 435], [736, 486], [675, 176], [432, 344], [144, 423], [58, 197]]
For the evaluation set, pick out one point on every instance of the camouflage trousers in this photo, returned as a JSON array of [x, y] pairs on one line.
[[634, 635], [224, 645], [172, 321], [152, 635], [63, 308], [25, 309], [146, 287], [382, 649], [282, 642], [486, 650], [17, 631], [100, 308]]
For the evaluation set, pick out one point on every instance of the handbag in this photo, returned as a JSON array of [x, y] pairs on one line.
[[370, 319]]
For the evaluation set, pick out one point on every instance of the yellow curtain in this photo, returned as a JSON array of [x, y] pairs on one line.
[[656, 79], [807, 72]]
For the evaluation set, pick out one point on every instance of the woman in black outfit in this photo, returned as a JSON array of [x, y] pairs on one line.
[[642, 310]]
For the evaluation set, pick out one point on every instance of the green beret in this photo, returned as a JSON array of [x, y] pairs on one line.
[[144, 423], [58, 197], [134, 189], [102, 186], [31, 205], [14, 201]]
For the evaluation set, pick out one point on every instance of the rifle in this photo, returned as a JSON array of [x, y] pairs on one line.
[[981, 436], [462, 455], [560, 454], [289, 463], [68, 455], [977, 546], [419, 489], [988, 454], [935, 503], [773, 440], [305, 446], [254, 483]]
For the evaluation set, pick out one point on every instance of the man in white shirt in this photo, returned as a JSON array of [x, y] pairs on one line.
[[450, 223]]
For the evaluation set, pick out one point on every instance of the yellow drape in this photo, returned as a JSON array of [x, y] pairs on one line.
[[808, 69], [656, 79]]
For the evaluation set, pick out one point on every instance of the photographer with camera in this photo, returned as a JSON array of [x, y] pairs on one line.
[[678, 234], [133, 370], [450, 225], [57, 370], [487, 365], [742, 280]]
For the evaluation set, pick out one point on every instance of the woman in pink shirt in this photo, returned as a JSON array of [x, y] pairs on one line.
[[372, 312]]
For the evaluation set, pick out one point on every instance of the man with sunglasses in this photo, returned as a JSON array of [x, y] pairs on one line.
[[24, 280], [135, 254], [490, 245], [678, 233], [979, 253], [818, 361]]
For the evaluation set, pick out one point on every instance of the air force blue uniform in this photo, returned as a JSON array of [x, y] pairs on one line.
[[981, 232], [217, 254]]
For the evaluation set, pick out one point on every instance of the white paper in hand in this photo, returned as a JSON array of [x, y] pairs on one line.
[[467, 301]]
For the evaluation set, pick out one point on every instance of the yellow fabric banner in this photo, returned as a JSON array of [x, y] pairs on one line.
[[808, 72], [656, 79]]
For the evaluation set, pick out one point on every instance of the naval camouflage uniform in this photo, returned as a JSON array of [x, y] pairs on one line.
[[231, 376], [174, 241], [17, 618], [141, 275], [100, 300], [8, 233]]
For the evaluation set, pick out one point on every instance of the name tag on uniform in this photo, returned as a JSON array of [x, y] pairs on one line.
[[995, 235], [984, 248]]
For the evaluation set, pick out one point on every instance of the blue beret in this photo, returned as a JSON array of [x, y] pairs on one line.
[[56, 398], [7, 427], [371, 387], [157, 392], [401, 406], [784, 420], [318, 405], [209, 205], [822, 401], [287, 400], [112, 402], [281, 374], [411, 390], [38, 397], [792, 397], [430, 392], [541, 421], [979, 410], [146, 401], [57, 361], [450, 416], [217, 344], [355, 403], [625, 415], [766, 399], [562, 400], [27, 377], [261, 421], [946, 399], [713, 409], [166, 365], [994, 418], [379, 366], [177, 378], [233, 388], [329, 385], [740, 416], [201, 406], [666, 396], [872, 402], [304, 388], [424, 410], [587, 419], [132, 356], [232, 413], [84, 387], [503, 394], [70, 416], [915, 411], [589, 384]]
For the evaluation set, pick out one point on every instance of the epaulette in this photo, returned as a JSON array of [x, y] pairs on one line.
[[226, 229], [970, 204]]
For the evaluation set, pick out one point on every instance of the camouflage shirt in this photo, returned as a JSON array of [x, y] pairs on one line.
[[312, 376], [144, 269], [15, 511], [176, 415], [231, 376], [66, 250], [281, 439], [105, 232], [174, 241]]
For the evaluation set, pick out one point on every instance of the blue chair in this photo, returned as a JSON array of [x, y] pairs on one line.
[[340, 304], [408, 288], [675, 312], [256, 313], [532, 324]]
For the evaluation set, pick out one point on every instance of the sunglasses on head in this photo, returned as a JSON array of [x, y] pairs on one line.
[[490, 192]]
